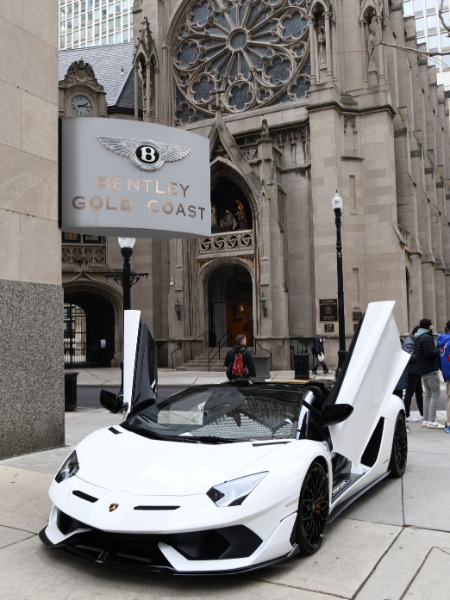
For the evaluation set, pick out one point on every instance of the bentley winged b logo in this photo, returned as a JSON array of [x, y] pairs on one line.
[[147, 155]]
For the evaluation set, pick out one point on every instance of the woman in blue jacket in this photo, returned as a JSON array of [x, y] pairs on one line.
[[443, 343]]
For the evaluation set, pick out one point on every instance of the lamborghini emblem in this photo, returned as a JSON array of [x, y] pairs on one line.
[[113, 507], [147, 155]]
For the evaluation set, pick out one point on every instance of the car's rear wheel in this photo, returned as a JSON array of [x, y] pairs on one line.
[[399, 453], [313, 508]]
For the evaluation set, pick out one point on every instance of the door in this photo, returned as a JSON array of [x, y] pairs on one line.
[[376, 363], [240, 320]]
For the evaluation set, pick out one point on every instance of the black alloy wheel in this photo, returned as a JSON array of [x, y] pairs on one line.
[[399, 454], [313, 508]]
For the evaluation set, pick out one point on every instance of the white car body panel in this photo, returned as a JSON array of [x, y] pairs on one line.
[[131, 330], [376, 365], [145, 483], [276, 545]]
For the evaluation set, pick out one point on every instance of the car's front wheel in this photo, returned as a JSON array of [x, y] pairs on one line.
[[399, 453], [313, 508]]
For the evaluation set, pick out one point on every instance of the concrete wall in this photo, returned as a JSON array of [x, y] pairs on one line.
[[31, 358], [31, 300]]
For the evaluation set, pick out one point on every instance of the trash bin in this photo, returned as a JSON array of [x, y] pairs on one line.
[[301, 366], [262, 365], [70, 390]]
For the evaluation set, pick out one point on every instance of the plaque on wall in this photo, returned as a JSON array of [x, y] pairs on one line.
[[329, 327], [328, 310], [357, 315]]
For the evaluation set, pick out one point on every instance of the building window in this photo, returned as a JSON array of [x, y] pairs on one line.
[[80, 238], [255, 60]]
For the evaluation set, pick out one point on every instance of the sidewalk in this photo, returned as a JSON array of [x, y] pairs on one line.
[[394, 543], [110, 377]]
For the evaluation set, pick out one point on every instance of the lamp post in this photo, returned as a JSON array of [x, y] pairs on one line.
[[342, 354], [126, 248]]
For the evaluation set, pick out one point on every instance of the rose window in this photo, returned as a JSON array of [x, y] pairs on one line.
[[239, 55]]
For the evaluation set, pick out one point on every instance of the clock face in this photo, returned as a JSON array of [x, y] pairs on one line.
[[81, 105]]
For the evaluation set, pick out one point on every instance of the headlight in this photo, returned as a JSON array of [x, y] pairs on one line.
[[70, 468], [234, 492]]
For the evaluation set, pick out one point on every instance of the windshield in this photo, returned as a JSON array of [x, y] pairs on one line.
[[214, 414]]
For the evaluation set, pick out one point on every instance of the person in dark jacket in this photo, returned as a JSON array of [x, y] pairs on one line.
[[428, 363], [414, 381], [317, 348], [247, 358]]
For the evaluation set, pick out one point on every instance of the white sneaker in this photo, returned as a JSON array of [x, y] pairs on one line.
[[412, 419], [434, 425], [425, 423]]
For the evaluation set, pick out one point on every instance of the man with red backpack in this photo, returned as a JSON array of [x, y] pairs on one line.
[[238, 360]]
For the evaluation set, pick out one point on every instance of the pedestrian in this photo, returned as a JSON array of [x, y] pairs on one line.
[[428, 363], [318, 353], [443, 343], [238, 360], [414, 381]]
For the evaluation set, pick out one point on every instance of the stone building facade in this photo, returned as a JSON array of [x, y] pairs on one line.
[[298, 98], [31, 296]]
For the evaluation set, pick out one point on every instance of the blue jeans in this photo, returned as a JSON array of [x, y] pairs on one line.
[[431, 395]]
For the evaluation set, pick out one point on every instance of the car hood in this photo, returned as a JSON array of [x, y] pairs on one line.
[[116, 459]]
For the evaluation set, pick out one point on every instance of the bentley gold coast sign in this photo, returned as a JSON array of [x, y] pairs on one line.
[[130, 178]]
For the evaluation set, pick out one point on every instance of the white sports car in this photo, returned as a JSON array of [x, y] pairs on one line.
[[232, 477]]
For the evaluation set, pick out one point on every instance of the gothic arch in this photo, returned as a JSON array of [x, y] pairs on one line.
[[371, 20], [322, 35], [369, 8], [99, 320], [107, 292], [228, 286], [222, 170]]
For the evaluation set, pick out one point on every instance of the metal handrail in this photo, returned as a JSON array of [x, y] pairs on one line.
[[179, 347], [196, 338], [210, 358], [256, 343]]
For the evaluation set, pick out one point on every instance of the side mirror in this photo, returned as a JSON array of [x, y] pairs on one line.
[[336, 413], [113, 402]]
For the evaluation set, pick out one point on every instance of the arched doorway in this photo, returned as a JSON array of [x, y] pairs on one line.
[[88, 330], [230, 210], [230, 305]]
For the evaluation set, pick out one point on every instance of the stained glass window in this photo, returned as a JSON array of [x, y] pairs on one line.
[[239, 55]]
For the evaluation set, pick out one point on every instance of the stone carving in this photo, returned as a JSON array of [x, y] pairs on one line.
[[80, 72], [258, 53], [322, 43], [372, 42]]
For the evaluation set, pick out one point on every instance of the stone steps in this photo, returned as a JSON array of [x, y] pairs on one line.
[[200, 363]]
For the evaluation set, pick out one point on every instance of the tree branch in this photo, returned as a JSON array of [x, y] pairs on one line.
[[441, 7]]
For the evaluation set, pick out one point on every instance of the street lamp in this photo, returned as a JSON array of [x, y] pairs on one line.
[[126, 248], [342, 354]]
